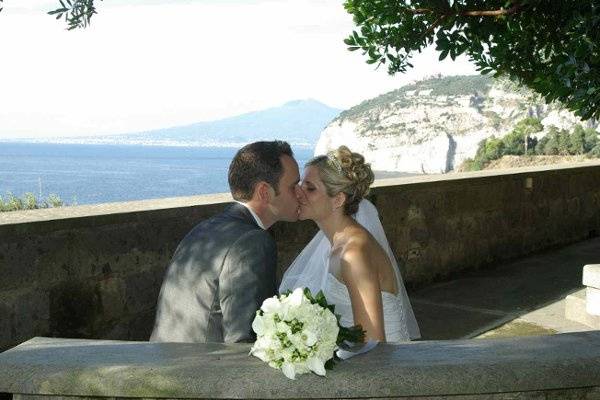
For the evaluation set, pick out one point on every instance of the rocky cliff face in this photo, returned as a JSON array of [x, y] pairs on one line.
[[434, 125]]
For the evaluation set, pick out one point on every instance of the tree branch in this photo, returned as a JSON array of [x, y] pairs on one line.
[[473, 13], [493, 13], [434, 25]]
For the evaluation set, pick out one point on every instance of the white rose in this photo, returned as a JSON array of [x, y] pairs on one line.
[[289, 370], [271, 305], [316, 365], [296, 298], [311, 337], [258, 325]]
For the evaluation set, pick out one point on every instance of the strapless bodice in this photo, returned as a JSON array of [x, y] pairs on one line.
[[393, 311]]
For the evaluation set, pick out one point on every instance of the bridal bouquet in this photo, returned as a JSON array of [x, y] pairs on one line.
[[298, 333]]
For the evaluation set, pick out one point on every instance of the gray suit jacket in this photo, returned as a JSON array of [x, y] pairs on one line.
[[218, 277]]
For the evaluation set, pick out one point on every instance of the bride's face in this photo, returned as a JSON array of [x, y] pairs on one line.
[[314, 202]]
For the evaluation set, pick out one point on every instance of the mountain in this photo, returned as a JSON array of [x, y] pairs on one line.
[[433, 125], [298, 122]]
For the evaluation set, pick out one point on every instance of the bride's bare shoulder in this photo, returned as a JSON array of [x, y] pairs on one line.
[[356, 250]]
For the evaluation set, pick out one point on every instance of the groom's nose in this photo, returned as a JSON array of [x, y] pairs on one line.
[[299, 193]]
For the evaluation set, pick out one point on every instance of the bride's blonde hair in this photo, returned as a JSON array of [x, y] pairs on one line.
[[343, 171]]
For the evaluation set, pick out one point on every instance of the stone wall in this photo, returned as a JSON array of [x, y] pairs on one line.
[[95, 271]]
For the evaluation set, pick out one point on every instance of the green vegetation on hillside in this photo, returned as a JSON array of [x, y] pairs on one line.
[[522, 141], [462, 85], [29, 201]]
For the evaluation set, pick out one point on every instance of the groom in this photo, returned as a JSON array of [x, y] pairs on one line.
[[225, 267]]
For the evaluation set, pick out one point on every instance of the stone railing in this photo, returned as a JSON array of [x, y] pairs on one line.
[[95, 271], [564, 366]]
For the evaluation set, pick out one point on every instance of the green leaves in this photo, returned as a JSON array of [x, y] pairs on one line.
[[550, 47], [77, 13]]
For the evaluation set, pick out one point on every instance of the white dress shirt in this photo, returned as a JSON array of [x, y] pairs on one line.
[[258, 221]]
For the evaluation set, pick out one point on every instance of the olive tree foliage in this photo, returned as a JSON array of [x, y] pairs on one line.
[[76, 13], [553, 47]]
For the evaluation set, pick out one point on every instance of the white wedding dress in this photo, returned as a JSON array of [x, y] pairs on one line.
[[311, 269], [394, 315]]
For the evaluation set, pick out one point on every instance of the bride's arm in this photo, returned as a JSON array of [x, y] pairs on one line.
[[362, 281]]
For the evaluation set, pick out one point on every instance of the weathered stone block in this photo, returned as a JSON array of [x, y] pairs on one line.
[[112, 297], [591, 275], [592, 303], [575, 310]]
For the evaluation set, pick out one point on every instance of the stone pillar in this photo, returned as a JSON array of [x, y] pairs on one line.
[[591, 279], [583, 306]]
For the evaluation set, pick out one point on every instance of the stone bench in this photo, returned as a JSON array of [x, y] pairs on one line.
[[557, 366]]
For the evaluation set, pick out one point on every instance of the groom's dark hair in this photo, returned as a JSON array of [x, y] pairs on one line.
[[255, 162]]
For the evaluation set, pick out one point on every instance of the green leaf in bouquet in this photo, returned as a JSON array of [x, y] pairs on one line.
[[354, 334], [329, 364], [321, 300], [309, 295]]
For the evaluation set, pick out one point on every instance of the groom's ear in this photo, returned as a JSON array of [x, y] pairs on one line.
[[263, 191]]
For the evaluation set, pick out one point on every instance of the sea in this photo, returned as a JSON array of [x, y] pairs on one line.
[[94, 173]]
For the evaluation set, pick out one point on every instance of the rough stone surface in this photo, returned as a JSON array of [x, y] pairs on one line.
[[95, 271], [592, 302], [589, 393], [591, 275], [68, 367]]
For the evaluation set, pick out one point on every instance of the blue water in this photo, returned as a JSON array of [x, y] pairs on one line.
[[91, 174]]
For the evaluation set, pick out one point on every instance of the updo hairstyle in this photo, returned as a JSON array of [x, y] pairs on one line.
[[341, 170]]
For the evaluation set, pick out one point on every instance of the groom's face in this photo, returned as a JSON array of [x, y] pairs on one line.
[[284, 206]]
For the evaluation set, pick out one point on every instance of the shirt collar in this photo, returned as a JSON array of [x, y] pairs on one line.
[[258, 221]]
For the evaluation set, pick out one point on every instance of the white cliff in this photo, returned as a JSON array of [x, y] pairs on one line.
[[434, 125]]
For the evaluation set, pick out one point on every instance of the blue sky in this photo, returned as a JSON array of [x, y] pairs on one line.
[[159, 63]]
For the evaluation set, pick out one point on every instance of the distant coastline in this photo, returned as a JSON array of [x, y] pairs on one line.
[[298, 122], [93, 174], [123, 141]]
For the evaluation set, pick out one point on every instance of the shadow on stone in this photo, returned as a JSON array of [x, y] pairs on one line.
[[74, 306]]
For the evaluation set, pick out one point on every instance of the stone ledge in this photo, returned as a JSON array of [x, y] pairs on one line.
[[51, 214], [75, 367], [71, 212], [454, 176]]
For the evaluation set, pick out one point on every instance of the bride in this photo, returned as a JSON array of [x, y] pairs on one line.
[[350, 259]]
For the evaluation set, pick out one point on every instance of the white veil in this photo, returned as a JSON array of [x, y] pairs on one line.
[[310, 268]]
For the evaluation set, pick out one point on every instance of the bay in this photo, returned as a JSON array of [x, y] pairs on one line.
[[92, 174]]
